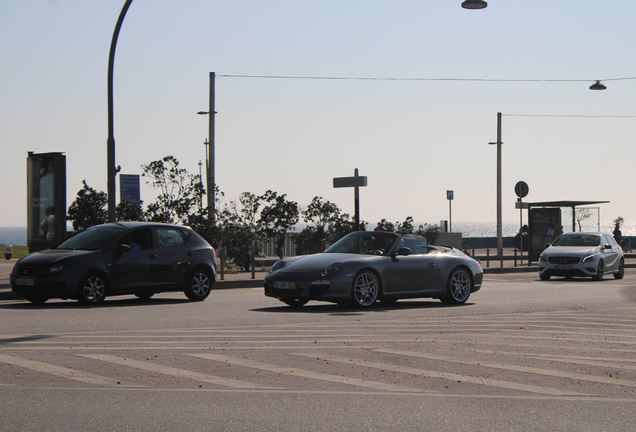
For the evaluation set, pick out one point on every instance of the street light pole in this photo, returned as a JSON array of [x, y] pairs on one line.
[[499, 204], [111, 169], [209, 163]]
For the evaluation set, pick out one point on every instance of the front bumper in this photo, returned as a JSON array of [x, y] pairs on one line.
[[317, 289], [587, 269], [43, 286]]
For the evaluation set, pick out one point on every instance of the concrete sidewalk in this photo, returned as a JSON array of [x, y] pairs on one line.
[[245, 280]]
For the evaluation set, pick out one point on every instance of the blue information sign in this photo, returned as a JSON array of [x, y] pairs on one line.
[[129, 187]]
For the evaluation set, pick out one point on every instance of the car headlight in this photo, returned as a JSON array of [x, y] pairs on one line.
[[588, 258], [331, 269], [56, 268], [543, 258], [277, 266]]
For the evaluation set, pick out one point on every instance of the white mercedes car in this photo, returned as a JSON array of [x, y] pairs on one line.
[[586, 254]]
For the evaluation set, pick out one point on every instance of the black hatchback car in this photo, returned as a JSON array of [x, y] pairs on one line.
[[140, 258]]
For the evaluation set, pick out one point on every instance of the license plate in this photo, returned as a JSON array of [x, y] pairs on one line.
[[564, 267], [285, 285], [30, 282]]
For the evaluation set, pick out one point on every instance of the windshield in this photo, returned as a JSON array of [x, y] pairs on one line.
[[92, 238], [364, 243], [578, 240]]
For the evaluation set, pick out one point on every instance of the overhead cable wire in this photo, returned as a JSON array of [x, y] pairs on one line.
[[335, 78], [569, 115]]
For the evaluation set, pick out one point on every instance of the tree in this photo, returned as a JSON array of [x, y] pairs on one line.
[[180, 192], [88, 209], [341, 226], [241, 229], [405, 227], [128, 211], [321, 214], [388, 226], [307, 241], [580, 214], [429, 232], [278, 217]]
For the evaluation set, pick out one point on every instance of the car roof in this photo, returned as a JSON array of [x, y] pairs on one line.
[[130, 225]]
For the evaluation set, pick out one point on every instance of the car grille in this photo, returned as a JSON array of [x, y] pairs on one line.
[[26, 271], [564, 260]]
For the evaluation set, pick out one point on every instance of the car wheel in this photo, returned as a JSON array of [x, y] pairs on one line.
[[599, 271], [36, 299], [621, 270], [199, 285], [544, 277], [144, 295], [295, 303], [458, 288], [93, 290], [366, 287]]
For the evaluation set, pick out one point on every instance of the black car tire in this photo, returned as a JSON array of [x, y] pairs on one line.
[[621, 270], [599, 271], [199, 285], [144, 295], [544, 277], [365, 289], [36, 299], [459, 286], [92, 290], [295, 303]]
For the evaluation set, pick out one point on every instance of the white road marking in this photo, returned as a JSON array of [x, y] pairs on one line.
[[618, 363], [308, 374], [175, 372], [526, 369], [59, 371], [446, 375]]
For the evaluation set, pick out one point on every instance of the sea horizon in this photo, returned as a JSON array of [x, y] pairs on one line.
[[17, 236]]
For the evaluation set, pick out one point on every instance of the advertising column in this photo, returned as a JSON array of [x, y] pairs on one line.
[[46, 200]]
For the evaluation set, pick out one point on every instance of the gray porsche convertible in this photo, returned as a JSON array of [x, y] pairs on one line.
[[367, 266]]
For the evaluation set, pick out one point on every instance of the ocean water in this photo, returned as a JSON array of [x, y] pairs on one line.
[[18, 235], [13, 236], [488, 229]]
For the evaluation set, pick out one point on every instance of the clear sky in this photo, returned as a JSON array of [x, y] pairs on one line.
[[414, 138]]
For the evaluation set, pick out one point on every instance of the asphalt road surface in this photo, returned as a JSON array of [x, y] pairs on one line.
[[521, 355]]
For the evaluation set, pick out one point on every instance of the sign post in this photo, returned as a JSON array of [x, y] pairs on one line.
[[356, 181], [449, 197], [522, 189]]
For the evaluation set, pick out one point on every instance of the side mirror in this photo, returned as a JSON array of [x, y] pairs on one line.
[[607, 246], [122, 248], [402, 251]]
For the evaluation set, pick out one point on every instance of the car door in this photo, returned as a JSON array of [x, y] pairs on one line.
[[131, 270], [611, 254], [175, 257], [417, 272]]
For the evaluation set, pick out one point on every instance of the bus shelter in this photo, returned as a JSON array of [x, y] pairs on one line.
[[549, 219]]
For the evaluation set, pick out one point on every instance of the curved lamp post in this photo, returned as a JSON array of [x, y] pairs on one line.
[[112, 170], [474, 4]]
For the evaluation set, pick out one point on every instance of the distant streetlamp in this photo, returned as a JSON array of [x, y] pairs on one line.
[[209, 162], [598, 86], [474, 4]]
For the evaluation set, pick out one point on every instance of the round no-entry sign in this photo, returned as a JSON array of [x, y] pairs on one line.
[[522, 189]]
